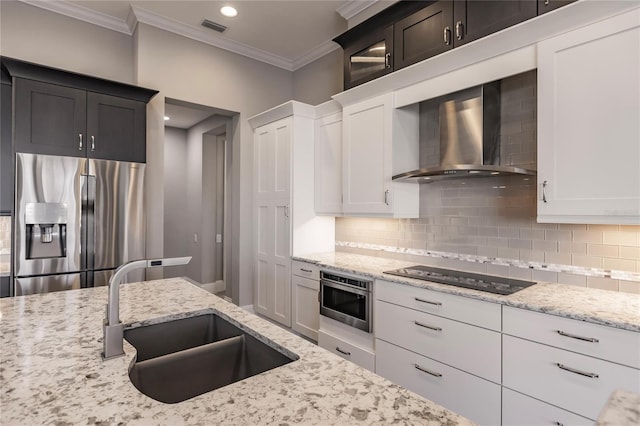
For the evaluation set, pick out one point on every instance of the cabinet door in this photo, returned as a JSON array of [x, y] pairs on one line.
[[306, 308], [368, 58], [49, 119], [521, 410], [588, 133], [474, 19], [6, 151], [367, 156], [545, 6], [424, 34], [328, 165], [272, 226], [116, 128]]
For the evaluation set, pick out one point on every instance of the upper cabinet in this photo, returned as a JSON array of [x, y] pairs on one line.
[[588, 132], [378, 142], [328, 161], [369, 57], [60, 113]]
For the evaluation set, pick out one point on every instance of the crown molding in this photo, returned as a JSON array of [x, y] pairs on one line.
[[138, 14], [83, 14], [352, 7]]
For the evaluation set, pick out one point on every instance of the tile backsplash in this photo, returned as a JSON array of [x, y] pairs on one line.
[[496, 218], [5, 243]]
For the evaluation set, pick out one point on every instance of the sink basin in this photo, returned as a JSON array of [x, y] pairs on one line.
[[180, 359]]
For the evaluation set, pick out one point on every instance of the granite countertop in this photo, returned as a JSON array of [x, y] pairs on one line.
[[52, 373], [619, 310], [623, 408]]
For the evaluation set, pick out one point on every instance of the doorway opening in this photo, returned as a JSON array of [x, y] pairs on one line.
[[196, 196]]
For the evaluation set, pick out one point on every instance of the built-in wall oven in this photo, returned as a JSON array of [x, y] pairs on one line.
[[346, 299]]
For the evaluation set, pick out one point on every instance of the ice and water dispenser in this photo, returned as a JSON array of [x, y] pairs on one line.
[[46, 230]]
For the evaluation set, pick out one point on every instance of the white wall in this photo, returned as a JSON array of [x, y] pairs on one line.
[[36, 35], [175, 201], [316, 82]]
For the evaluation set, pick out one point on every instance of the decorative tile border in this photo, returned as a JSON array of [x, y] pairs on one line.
[[541, 266]]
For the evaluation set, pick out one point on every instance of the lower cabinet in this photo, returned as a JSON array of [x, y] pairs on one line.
[[463, 393], [522, 410], [306, 308], [347, 350]]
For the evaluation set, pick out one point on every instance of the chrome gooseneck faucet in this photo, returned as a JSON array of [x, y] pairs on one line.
[[113, 329]]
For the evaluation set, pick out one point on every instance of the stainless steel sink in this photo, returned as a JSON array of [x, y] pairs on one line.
[[183, 358]]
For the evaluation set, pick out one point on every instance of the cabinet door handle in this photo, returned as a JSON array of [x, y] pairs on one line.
[[308, 271], [459, 30], [386, 197], [286, 211], [430, 327], [428, 301], [93, 143], [575, 336], [424, 370], [573, 370], [558, 423], [80, 144], [544, 191], [546, 2], [387, 60], [343, 352], [447, 35]]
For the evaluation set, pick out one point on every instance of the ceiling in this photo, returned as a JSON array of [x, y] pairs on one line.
[[288, 34]]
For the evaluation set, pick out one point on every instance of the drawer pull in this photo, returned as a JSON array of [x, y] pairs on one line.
[[308, 271], [343, 352], [427, 326], [573, 370], [424, 370], [558, 424], [573, 336], [428, 301]]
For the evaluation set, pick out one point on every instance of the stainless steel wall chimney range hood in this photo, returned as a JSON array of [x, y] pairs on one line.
[[462, 132]]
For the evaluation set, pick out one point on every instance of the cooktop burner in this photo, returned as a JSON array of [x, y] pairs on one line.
[[489, 283]]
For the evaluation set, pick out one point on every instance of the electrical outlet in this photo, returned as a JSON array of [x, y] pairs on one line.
[[195, 238], [218, 238]]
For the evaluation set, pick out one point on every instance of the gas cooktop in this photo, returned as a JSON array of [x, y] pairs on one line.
[[488, 283]]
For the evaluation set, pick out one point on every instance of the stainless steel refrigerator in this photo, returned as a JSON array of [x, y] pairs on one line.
[[76, 221]]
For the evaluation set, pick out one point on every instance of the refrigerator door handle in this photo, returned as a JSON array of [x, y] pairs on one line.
[[88, 221]]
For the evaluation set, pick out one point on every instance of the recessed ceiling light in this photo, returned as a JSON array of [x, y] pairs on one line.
[[229, 11], [166, 118]]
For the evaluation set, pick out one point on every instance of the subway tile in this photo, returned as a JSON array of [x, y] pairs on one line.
[[509, 232], [619, 264], [532, 234], [520, 244], [567, 247], [629, 287], [571, 227], [557, 258], [603, 283], [603, 250], [587, 237], [498, 242], [547, 246], [532, 256], [508, 253], [488, 251], [603, 228], [519, 273], [586, 261], [620, 238], [630, 253], [630, 228], [549, 276], [552, 235], [572, 279], [545, 226], [499, 270]]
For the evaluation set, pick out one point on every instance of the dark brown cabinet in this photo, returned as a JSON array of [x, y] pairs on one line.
[[58, 120], [6, 157], [545, 6], [369, 58], [424, 34], [474, 19]]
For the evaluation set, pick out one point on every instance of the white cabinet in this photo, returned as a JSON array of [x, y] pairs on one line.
[[588, 131], [567, 363], [444, 347], [285, 222], [306, 308], [521, 410], [347, 350], [328, 161], [378, 142]]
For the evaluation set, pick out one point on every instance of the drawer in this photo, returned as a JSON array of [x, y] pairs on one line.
[[346, 350], [521, 410], [472, 349], [608, 343], [472, 311], [467, 395], [304, 269], [535, 369]]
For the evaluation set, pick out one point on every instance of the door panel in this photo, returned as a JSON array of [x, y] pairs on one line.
[[48, 184], [49, 119], [48, 284], [118, 213]]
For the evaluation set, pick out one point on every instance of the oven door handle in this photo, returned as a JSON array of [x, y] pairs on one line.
[[350, 289]]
